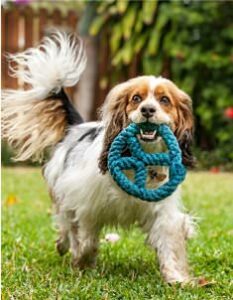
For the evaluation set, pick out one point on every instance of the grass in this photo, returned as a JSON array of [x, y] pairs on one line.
[[125, 270]]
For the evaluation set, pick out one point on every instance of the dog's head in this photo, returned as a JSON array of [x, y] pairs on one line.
[[152, 99]]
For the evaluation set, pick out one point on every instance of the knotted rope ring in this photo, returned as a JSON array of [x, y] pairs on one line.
[[139, 160]]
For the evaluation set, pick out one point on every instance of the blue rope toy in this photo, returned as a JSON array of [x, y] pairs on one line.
[[139, 160]]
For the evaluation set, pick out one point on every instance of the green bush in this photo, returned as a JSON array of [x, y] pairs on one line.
[[214, 160], [188, 41]]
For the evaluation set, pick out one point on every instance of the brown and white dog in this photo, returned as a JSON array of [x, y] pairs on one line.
[[84, 194]]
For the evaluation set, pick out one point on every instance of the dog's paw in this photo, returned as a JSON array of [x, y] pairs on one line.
[[62, 246], [84, 263], [177, 278]]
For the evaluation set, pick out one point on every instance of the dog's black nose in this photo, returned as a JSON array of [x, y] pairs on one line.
[[148, 111]]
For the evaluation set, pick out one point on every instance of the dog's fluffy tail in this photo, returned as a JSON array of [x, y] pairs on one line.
[[36, 119]]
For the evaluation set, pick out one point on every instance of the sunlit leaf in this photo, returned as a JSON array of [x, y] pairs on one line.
[[124, 55], [139, 22], [156, 34], [128, 22], [115, 38], [97, 24], [103, 5], [113, 10], [140, 42], [122, 5], [127, 54], [149, 9]]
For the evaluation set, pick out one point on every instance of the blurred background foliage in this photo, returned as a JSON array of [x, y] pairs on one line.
[[190, 42]]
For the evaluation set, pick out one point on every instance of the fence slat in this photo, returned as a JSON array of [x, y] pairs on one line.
[[72, 20], [28, 25], [43, 21], [12, 24], [3, 58], [57, 17]]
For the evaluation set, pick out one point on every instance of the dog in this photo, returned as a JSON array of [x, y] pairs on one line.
[[84, 195]]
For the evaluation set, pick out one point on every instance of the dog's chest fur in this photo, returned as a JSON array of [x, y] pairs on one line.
[[74, 176]]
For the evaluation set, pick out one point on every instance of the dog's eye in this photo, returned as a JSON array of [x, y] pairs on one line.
[[136, 99], [165, 100]]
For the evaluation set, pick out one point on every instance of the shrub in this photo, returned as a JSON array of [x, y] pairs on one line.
[[188, 41]]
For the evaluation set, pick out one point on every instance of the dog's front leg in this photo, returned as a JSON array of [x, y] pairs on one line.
[[84, 246], [168, 237]]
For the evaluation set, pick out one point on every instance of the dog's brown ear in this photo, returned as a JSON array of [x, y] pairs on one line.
[[115, 119], [113, 129], [185, 143], [185, 128]]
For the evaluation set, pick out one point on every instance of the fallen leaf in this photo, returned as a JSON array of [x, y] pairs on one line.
[[204, 282], [11, 200]]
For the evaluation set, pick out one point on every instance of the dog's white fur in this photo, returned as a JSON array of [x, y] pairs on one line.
[[97, 201], [84, 198]]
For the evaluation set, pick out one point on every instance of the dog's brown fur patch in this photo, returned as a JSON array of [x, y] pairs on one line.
[[30, 127]]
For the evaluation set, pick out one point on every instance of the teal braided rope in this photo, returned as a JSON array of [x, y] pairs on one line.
[[139, 160]]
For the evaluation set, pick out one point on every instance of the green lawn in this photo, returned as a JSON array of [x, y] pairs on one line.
[[125, 270]]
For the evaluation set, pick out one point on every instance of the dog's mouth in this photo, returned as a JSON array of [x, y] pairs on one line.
[[148, 136]]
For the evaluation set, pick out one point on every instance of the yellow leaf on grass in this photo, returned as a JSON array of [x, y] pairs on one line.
[[11, 200]]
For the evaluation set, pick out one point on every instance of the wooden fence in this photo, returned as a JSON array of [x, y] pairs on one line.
[[23, 27]]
